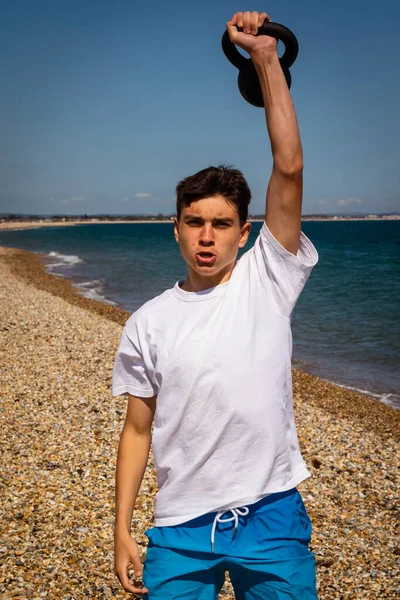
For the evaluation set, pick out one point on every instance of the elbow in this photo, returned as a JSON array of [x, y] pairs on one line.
[[289, 164], [137, 432], [292, 169]]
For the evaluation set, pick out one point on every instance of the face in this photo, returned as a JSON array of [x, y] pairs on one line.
[[209, 235]]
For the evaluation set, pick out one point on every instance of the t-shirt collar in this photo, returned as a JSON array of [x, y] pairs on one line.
[[202, 295]]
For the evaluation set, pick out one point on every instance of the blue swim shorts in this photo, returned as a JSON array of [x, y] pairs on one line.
[[264, 546]]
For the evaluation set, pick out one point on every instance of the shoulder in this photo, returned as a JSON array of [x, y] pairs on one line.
[[267, 246], [150, 311]]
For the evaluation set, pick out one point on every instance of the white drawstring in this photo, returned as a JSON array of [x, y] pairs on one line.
[[242, 511]]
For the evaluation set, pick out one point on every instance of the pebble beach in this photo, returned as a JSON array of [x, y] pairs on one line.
[[59, 432]]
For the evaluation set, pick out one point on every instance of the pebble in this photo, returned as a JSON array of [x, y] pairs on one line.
[[59, 432]]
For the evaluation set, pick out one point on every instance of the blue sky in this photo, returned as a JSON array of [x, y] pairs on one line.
[[107, 104]]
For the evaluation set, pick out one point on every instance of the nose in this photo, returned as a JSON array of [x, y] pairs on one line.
[[207, 235]]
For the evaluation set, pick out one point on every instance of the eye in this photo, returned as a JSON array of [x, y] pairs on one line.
[[222, 224]]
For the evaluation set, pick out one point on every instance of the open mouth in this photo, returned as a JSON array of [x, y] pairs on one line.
[[206, 257]]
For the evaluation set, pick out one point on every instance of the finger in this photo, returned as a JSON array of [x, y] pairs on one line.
[[246, 22], [138, 591], [233, 21], [254, 23], [263, 17], [232, 26], [129, 584], [240, 19], [137, 567]]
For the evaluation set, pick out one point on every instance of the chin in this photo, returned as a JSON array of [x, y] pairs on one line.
[[206, 271]]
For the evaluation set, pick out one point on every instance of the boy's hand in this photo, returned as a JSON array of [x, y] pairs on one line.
[[127, 557], [250, 22]]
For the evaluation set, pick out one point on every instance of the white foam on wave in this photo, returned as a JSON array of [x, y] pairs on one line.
[[93, 290], [388, 398], [63, 260], [89, 289]]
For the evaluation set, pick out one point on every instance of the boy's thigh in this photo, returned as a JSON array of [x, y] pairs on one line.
[[292, 579], [275, 562], [172, 574]]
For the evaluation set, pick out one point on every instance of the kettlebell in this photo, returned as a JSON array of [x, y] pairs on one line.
[[249, 85]]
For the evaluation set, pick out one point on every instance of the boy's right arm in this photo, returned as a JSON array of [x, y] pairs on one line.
[[133, 453]]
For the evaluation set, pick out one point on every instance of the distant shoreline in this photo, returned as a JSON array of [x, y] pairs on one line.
[[6, 225]]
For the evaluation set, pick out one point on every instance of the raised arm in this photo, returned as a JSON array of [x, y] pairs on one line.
[[285, 188]]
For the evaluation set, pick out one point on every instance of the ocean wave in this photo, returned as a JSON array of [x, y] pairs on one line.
[[387, 398], [63, 260], [94, 290]]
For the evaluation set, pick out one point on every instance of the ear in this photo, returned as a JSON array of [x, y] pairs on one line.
[[244, 234], [176, 229]]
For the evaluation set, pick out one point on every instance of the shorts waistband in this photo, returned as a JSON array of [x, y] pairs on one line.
[[243, 511]]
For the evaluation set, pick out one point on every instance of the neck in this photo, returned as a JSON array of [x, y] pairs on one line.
[[196, 283]]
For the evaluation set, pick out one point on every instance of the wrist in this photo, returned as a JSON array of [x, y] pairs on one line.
[[264, 56], [122, 527]]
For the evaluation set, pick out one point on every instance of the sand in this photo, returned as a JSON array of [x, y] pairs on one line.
[[59, 432]]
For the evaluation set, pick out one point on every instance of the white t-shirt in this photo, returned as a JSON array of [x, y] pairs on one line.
[[219, 361]]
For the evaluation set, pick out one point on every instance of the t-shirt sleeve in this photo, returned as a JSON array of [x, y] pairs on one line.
[[283, 275], [132, 373]]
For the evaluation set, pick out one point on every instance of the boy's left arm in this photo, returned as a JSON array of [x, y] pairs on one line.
[[285, 188]]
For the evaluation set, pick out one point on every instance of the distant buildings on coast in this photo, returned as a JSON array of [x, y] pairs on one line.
[[16, 218]]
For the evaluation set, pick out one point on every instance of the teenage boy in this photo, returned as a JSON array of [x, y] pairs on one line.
[[210, 361]]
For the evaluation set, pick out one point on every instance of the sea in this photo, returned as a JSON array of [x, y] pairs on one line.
[[346, 325]]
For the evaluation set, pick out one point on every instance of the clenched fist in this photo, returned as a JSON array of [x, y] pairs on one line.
[[248, 40]]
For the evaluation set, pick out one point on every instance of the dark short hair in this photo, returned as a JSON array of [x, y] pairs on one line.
[[215, 181]]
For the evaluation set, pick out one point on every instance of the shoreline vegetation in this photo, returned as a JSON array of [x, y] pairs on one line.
[[16, 222], [59, 432]]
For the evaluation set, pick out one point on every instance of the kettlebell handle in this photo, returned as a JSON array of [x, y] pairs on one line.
[[280, 32]]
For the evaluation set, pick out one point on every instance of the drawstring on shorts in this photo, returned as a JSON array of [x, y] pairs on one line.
[[242, 511]]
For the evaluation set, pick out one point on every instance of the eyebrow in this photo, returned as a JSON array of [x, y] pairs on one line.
[[201, 220]]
